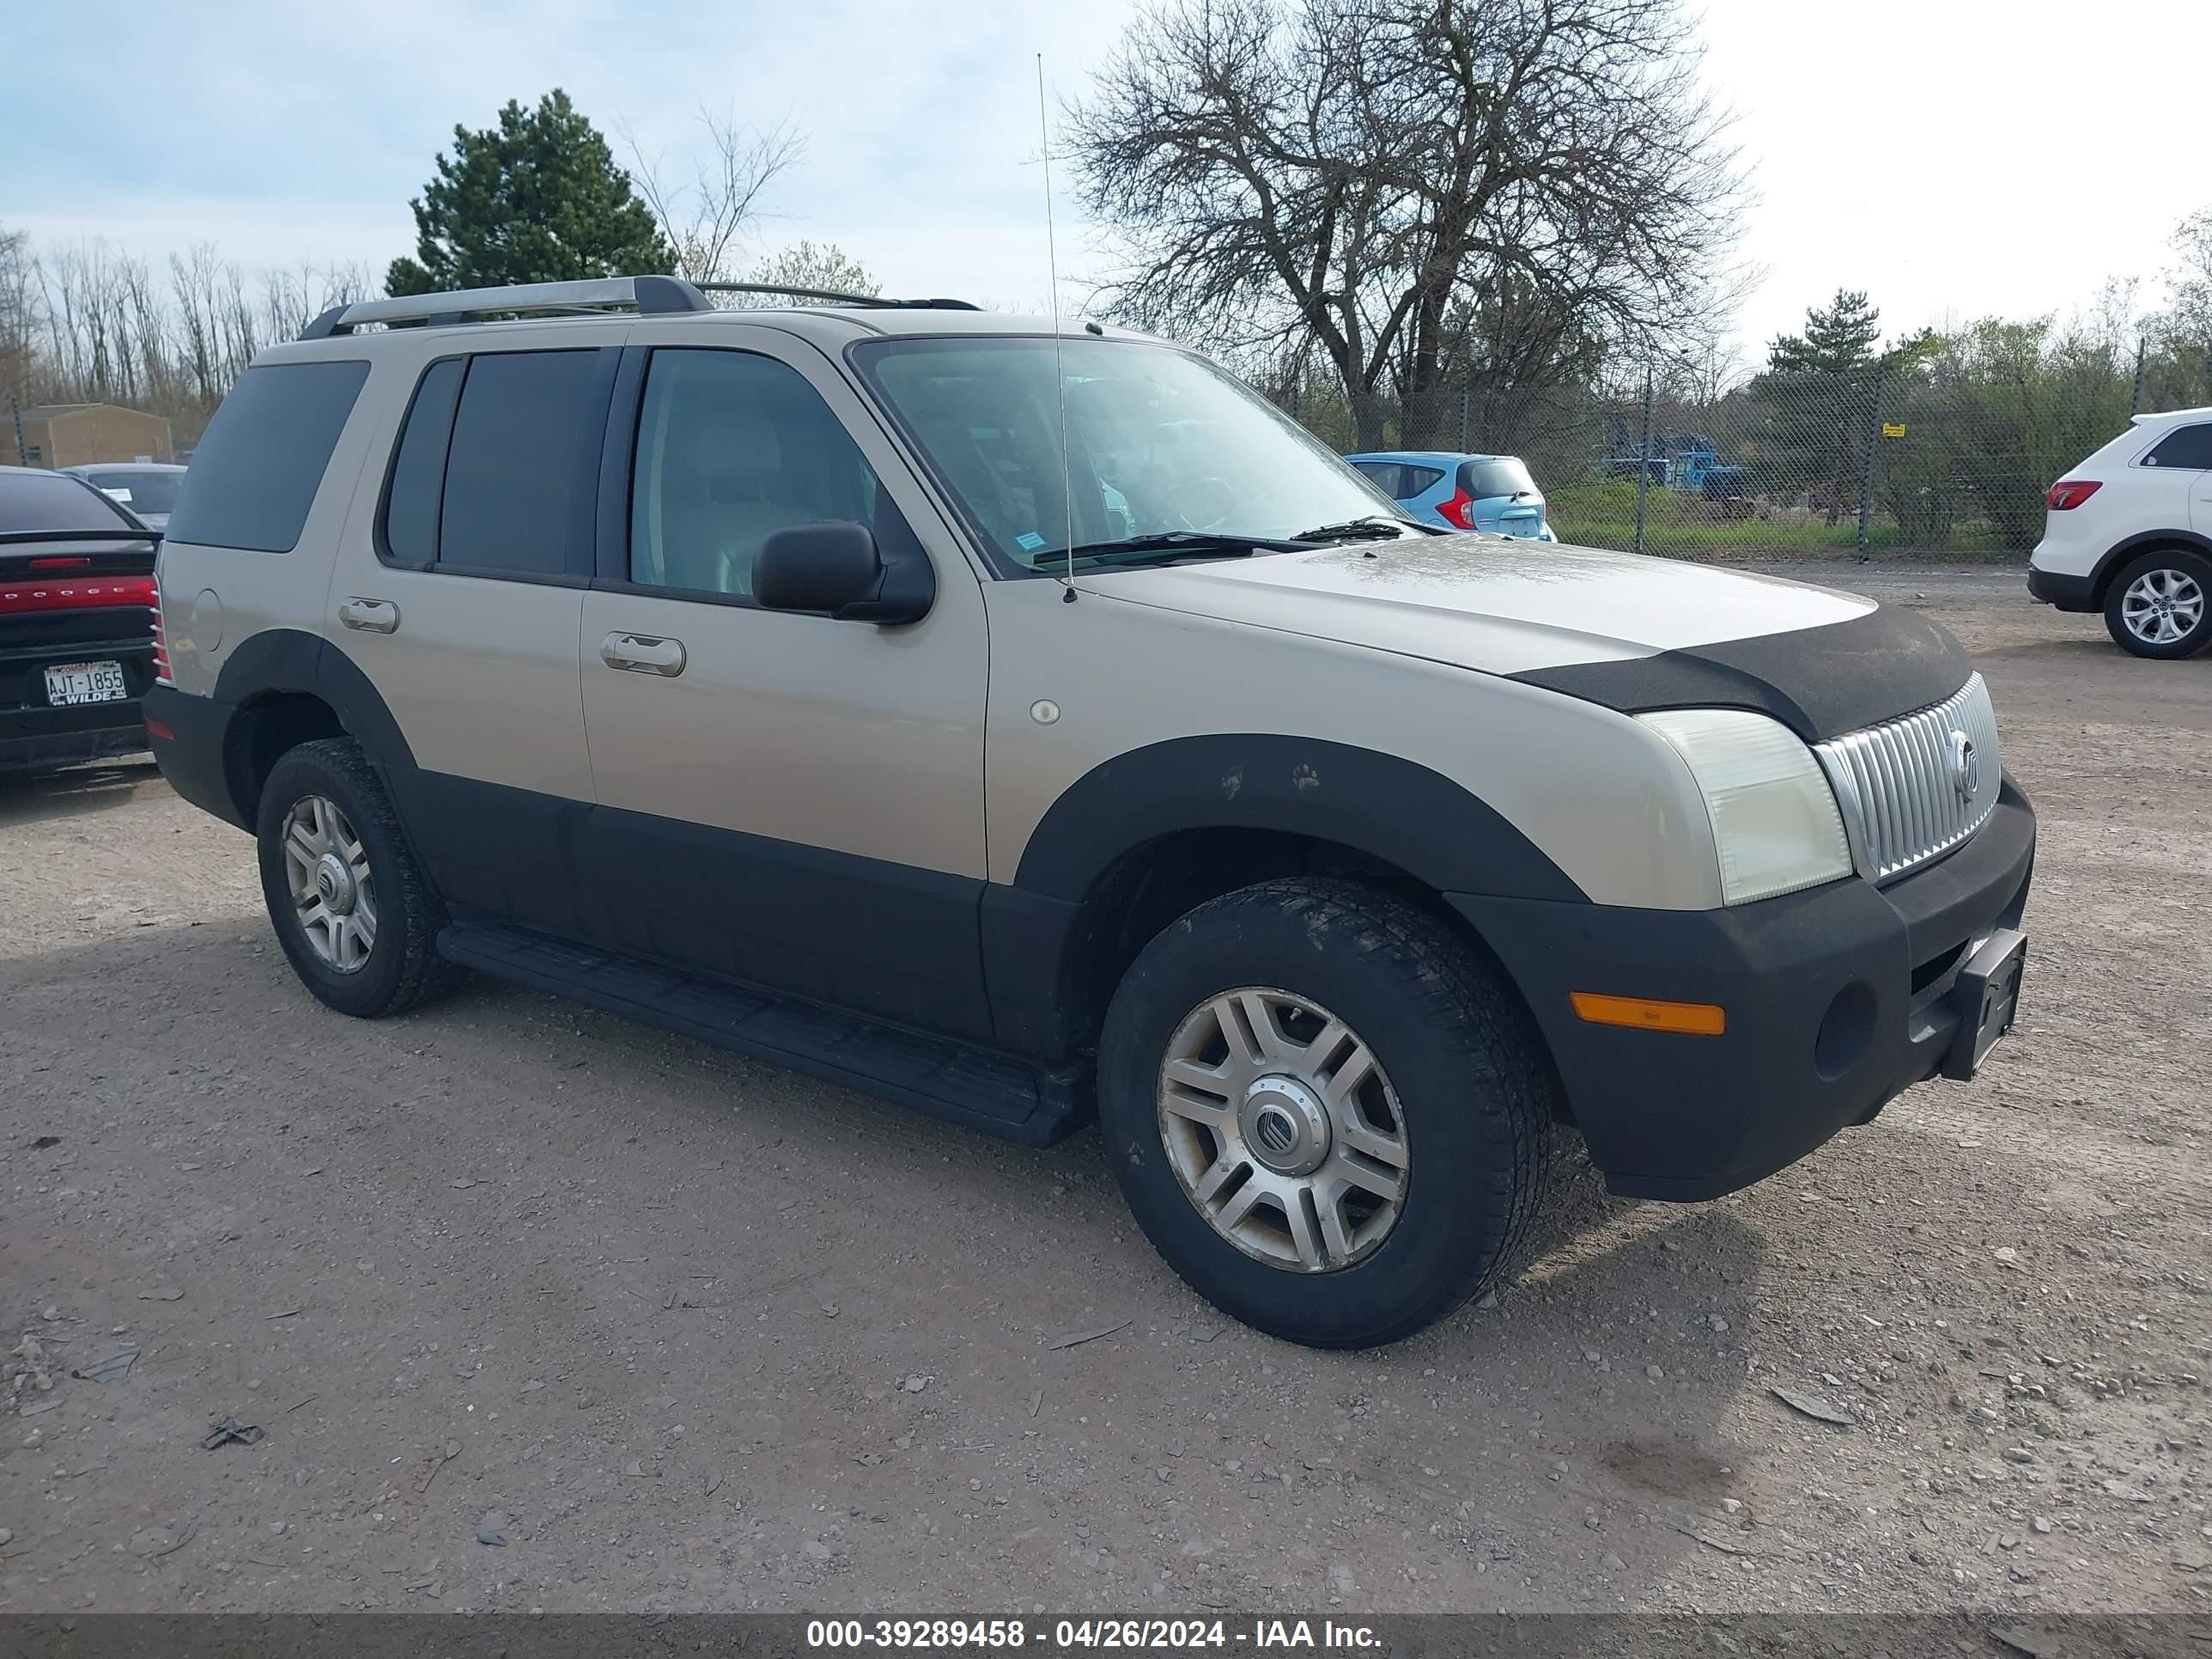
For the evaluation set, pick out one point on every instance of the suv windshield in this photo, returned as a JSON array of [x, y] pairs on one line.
[[1159, 442]]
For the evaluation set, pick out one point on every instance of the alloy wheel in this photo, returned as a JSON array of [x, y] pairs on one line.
[[333, 892], [1283, 1130], [2162, 607]]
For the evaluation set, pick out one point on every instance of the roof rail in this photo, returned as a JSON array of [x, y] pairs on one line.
[[834, 297], [650, 294]]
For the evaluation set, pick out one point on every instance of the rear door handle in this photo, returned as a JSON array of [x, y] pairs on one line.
[[642, 653], [370, 616]]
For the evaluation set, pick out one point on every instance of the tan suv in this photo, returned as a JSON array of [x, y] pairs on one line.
[[1022, 726]]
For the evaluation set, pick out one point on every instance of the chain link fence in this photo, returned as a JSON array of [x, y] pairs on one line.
[[1946, 451]]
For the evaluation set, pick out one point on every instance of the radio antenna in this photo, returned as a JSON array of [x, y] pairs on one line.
[[1059, 375]]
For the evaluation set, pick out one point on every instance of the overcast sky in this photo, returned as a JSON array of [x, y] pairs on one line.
[[1955, 157]]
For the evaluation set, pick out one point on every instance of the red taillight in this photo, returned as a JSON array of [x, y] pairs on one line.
[[2064, 497], [80, 562], [74, 594], [1459, 510]]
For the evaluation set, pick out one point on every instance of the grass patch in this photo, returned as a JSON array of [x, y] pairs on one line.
[[1603, 514]]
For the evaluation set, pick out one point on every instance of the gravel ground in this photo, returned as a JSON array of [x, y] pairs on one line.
[[539, 1309]]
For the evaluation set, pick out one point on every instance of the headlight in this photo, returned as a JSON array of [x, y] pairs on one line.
[[1774, 816]]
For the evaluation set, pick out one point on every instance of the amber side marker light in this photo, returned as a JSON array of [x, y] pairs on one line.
[[1646, 1014]]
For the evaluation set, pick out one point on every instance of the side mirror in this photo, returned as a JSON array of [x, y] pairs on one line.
[[834, 566], [817, 566]]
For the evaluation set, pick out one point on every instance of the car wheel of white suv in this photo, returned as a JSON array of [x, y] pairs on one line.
[[2160, 604]]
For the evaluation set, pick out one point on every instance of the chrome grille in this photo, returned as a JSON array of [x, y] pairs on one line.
[[1899, 783]]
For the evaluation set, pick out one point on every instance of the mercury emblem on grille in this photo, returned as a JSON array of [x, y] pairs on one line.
[[1966, 766]]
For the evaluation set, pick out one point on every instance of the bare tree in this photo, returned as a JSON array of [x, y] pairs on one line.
[[705, 219], [19, 319], [823, 266], [1366, 172]]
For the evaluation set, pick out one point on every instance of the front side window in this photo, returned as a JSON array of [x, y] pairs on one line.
[[262, 458], [732, 447], [1158, 442], [2188, 448]]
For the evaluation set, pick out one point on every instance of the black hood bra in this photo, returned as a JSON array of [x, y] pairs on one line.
[[1819, 682]]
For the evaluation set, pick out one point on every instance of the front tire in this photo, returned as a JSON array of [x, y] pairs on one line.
[[357, 918], [1329, 1114], [2160, 604]]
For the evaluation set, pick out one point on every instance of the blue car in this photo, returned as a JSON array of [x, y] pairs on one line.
[[1461, 492]]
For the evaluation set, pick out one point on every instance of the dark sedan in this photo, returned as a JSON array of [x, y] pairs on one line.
[[78, 641]]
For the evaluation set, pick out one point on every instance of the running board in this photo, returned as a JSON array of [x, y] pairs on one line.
[[979, 1087]]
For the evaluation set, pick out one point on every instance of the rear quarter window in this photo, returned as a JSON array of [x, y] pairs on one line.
[[2188, 448], [255, 473]]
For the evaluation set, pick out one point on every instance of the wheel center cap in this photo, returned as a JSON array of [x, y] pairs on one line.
[[1285, 1125], [334, 883]]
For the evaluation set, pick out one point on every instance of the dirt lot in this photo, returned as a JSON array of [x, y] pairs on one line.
[[705, 1334]]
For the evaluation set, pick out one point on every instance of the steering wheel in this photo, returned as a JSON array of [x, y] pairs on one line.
[[1205, 503]]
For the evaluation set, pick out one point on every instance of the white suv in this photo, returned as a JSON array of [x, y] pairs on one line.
[[2130, 533]]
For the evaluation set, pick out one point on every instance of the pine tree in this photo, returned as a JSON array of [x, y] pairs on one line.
[[1838, 339], [537, 199]]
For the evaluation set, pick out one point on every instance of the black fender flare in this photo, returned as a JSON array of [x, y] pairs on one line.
[[1039, 930], [1387, 807], [290, 659]]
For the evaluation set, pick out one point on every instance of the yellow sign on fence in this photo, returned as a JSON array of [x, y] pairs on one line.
[[1892, 429]]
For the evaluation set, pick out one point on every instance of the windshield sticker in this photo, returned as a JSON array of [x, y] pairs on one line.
[[1029, 541]]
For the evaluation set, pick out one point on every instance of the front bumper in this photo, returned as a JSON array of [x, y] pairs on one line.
[[2056, 588], [1837, 998]]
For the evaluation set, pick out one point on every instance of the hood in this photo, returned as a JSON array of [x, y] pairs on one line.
[[1631, 632]]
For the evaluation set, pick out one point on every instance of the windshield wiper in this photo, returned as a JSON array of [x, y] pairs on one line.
[[1213, 541], [1375, 528]]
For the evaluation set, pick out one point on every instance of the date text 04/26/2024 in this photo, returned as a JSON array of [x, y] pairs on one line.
[[1067, 1634]]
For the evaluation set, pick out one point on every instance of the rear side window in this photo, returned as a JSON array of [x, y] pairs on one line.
[[418, 470], [55, 500], [255, 473], [2189, 448], [1401, 480], [1503, 477], [522, 468]]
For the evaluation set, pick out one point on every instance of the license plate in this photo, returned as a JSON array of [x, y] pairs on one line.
[[1987, 999], [70, 683]]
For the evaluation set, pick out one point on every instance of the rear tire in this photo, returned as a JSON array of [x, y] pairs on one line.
[[2160, 604], [357, 918], [1456, 1098]]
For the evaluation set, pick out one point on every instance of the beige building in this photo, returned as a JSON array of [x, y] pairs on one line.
[[74, 435]]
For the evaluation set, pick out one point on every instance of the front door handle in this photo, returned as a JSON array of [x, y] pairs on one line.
[[370, 616], [642, 653]]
